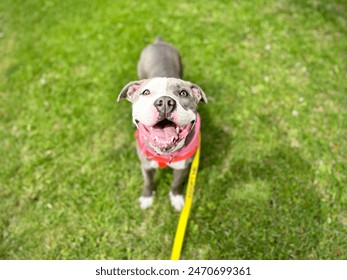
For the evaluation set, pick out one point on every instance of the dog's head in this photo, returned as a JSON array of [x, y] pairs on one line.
[[164, 110]]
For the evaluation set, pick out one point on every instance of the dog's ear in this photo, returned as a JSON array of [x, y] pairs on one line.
[[198, 92], [129, 90]]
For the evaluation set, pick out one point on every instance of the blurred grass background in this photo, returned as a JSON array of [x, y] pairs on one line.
[[272, 182]]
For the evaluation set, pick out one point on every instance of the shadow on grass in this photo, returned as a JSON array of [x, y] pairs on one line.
[[264, 209], [214, 140], [331, 11]]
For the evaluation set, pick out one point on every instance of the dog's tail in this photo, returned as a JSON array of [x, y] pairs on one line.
[[158, 40]]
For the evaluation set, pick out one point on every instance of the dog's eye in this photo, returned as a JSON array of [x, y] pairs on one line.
[[146, 92], [183, 93]]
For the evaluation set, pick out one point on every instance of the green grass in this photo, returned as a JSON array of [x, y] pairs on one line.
[[272, 182]]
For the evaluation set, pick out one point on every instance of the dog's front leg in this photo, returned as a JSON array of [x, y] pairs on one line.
[[176, 193], [146, 199]]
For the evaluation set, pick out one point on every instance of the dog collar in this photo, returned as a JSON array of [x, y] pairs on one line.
[[182, 154]]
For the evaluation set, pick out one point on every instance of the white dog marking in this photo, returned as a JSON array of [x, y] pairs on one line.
[[145, 111], [177, 201], [146, 202]]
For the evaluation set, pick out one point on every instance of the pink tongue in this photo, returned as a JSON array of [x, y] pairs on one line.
[[165, 134]]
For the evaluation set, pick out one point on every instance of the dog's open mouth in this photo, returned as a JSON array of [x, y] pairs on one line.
[[165, 135]]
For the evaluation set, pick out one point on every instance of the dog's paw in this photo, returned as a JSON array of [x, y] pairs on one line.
[[177, 201], [146, 201]]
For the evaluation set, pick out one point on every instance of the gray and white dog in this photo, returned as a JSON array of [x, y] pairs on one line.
[[164, 110]]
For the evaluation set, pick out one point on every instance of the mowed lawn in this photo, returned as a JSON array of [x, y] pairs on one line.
[[272, 178]]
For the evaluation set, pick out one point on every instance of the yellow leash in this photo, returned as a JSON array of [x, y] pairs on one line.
[[182, 223]]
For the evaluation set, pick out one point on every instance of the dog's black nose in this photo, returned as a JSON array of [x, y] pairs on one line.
[[165, 105]]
